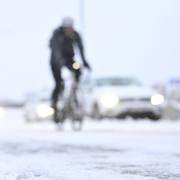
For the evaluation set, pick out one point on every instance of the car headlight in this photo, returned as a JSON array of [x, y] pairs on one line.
[[1, 112], [157, 99], [43, 111], [109, 100]]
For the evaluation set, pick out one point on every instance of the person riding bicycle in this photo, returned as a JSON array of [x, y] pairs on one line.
[[62, 54]]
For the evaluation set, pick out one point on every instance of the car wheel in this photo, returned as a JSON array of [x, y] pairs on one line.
[[154, 117], [28, 120], [95, 112]]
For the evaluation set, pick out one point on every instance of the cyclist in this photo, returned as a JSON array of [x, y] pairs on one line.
[[62, 53]]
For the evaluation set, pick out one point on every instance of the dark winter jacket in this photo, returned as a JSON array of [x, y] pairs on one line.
[[62, 46]]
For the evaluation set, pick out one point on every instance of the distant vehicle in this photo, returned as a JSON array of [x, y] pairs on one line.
[[38, 108], [173, 90], [121, 97], [1, 112]]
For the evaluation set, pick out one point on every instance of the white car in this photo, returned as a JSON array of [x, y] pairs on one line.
[[121, 97], [38, 107]]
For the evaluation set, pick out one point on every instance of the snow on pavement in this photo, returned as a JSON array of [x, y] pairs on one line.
[[109, 149]]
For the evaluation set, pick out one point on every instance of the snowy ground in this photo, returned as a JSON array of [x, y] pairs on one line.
[[109, 149]]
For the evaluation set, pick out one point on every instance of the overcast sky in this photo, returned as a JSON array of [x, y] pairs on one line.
[[137, 38]]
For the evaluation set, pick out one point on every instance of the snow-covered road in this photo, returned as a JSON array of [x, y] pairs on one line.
[[109, 149]]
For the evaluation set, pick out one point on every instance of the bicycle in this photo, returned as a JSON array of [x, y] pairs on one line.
[[70, 107]]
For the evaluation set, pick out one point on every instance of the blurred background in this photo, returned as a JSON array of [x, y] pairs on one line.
[[122, 38], [127, 108]]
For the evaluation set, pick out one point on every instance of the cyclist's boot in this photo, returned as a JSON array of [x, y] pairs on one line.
[[54, 100]]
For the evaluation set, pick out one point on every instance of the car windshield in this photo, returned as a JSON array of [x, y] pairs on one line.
[[117, 82]]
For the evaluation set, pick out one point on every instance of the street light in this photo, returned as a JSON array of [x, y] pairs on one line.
[[81, 15]]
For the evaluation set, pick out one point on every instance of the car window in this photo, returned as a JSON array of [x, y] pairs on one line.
[[117, 82]]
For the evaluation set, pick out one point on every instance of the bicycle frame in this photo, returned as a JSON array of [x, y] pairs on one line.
[[71, 107]]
